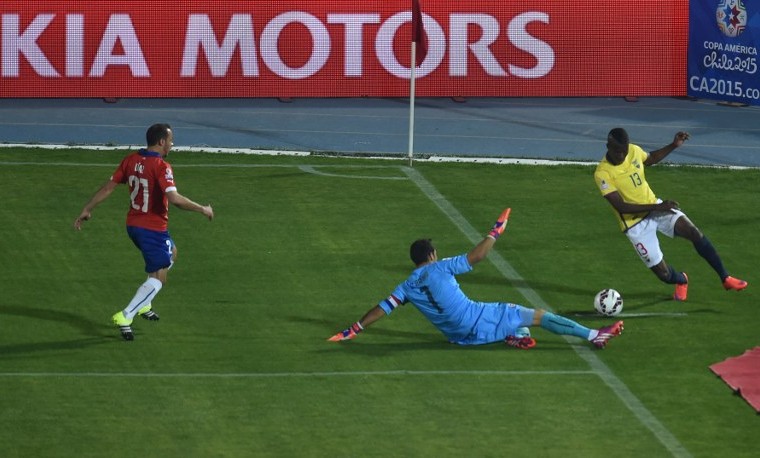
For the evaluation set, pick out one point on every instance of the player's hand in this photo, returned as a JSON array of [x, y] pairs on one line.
[[680, 138], [500, 225], [668, 205], [348, 333], [85, 216], [208, 212]]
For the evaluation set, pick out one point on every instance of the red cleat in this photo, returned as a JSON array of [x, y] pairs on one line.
[[731, 283], [682, 290], [523, 343], [606, 333]]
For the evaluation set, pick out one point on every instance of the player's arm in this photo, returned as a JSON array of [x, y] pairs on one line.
[[101, 195], [374, 314], [180, 201], [622, 206], [481, 250], [662, 153]]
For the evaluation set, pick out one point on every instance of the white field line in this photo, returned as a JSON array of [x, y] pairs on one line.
[[288, 374], [635, 314], [666, 438], [263, 152], [312, 169]]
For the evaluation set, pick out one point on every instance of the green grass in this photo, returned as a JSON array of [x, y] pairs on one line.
[[238, 366]]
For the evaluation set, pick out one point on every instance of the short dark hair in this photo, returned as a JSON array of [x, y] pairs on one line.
[[156, 133], [619, 136], [420, 251]]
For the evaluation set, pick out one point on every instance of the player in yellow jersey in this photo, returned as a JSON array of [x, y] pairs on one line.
[[621, 179]]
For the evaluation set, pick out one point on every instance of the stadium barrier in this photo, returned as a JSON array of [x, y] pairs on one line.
[[341, 48]]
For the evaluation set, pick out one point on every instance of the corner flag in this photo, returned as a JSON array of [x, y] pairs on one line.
[[418, 33], [418, 53]]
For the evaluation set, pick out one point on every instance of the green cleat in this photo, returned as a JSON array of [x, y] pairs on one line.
[[148, 313], [120, 320], [124, 326]]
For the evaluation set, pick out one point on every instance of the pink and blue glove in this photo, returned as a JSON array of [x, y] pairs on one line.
[[348, 333], [500, 225]]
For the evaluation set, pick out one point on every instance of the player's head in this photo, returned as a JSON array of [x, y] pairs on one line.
[[618, 138], [160, 137], [422, 251], [617, 144]]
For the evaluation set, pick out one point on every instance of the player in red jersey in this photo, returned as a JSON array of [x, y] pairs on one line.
[[151, 189]]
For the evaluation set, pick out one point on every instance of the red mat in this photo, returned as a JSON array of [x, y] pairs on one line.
[[742, 374]]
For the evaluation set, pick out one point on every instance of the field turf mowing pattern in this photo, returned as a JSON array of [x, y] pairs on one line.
[[238, 365]]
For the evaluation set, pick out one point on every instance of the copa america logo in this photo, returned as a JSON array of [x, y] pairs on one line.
[[731, 16]]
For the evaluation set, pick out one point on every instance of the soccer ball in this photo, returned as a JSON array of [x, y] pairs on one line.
[[608, 302]]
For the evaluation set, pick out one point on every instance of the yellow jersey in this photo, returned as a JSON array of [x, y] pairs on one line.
[[629, 180]]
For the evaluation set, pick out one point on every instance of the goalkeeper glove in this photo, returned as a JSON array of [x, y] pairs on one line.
[[348, 333], [500, 224]]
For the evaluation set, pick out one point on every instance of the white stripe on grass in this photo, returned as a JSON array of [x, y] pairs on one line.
[[313, 170], [635, 314], [287, 374], [666, 438]]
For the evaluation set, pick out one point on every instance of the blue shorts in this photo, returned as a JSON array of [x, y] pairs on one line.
[[498, 321], [156, 247]]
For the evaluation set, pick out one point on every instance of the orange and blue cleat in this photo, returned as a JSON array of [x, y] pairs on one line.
[[731, 283], [681, 290]]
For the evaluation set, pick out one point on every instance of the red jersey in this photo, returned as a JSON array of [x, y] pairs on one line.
[[149, 178]]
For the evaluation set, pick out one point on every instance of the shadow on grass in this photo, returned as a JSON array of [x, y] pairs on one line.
[[430, 341], [387, 348], [92, 329], [23, 350], [640, 301], [332, 326], [643, 309]]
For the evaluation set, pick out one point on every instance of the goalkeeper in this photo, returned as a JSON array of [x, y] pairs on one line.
[[432, 288]]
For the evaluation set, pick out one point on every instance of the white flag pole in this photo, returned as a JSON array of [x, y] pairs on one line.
[[412, 65]]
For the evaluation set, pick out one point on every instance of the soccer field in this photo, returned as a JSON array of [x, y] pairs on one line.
[[239, 365]]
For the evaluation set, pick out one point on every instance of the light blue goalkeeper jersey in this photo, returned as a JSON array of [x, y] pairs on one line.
[[434, 290]]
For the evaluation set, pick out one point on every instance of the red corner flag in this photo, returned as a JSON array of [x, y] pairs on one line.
[[419, 38]]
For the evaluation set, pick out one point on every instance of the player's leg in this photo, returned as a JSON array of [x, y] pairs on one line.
[[156, 248], [684, 228], [668, 274], [560, 325], [643, 237], [564, 326], [143, 297], [496, 322], [174, 254], [147, 312], [518, 320]]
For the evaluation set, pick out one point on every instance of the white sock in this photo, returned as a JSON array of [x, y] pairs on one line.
[[145, 293], [592, 335]]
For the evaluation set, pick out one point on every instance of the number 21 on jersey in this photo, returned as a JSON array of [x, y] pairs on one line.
[[139, 187]]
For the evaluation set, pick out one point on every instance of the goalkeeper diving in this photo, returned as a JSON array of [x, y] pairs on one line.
[[433, 289]]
